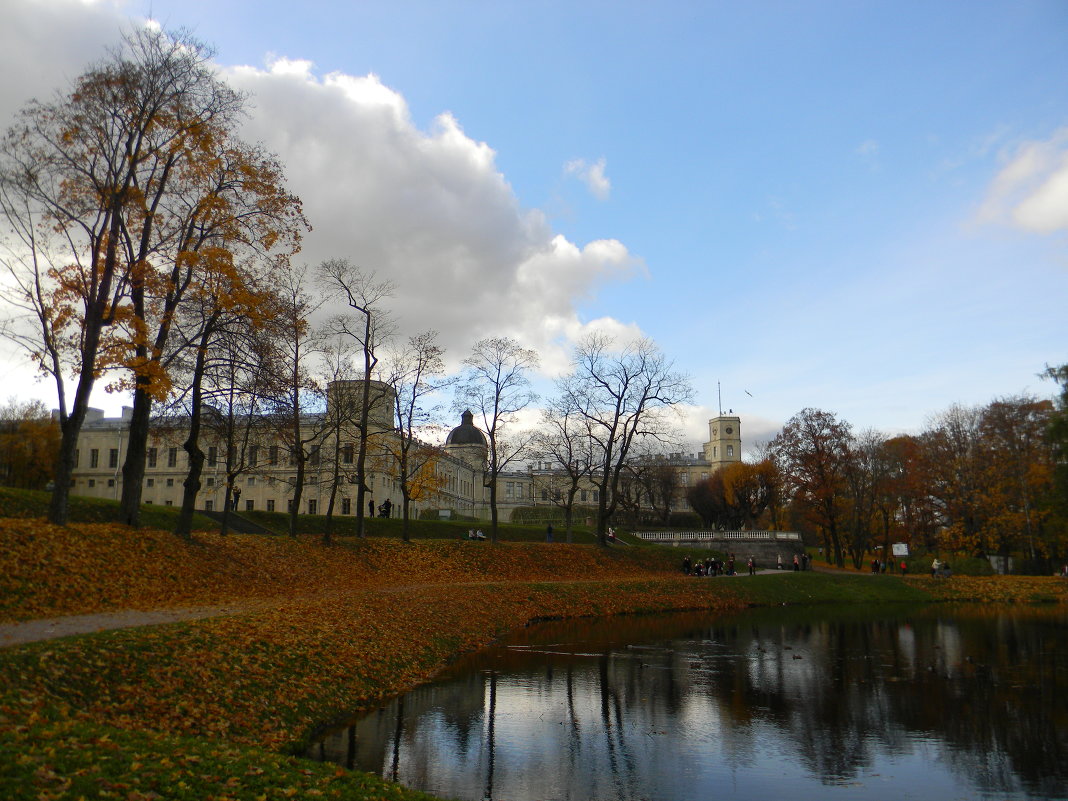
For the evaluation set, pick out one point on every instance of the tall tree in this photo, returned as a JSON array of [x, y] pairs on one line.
[[364, 293], [229, 231], [81, 175], [956, 478], [564, 441], [296, 392], [813, 452], [622, 392], [415, 374], [1020, 469], [496, 385]]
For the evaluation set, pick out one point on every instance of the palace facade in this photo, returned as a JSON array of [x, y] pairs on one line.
[[263, 468]]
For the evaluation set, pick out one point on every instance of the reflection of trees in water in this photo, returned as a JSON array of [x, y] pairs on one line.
[[840, 692], [986, 688]]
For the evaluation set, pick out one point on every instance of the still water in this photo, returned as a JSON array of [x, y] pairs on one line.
[[910, 703]]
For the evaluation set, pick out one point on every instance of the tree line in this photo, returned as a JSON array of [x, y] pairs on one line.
[[982, 480], [150, 248]]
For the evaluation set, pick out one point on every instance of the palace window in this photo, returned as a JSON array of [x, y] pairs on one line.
[[151, 457], [253, 455], [94, 458], [113, 458], [270, 505], [272, 455], [346, 506], [213, 455], [172, 457]]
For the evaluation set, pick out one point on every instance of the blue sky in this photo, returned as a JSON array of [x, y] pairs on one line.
[[857, 206]]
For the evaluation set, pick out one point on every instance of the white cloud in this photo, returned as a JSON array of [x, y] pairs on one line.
[[1031, 190], [428, 209], [869, 148], [592, 175]]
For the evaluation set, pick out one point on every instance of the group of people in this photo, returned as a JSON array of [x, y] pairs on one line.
[[475, 535], [711, 566]]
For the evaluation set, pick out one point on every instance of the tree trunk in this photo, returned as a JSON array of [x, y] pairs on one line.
[[133, 468]]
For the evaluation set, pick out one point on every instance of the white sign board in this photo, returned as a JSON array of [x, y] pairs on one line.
[[900, 548]]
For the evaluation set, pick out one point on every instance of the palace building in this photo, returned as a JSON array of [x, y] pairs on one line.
[[264, 470]]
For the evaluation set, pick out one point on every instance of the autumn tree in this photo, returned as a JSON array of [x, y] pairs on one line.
[[29, 442], [708, 498], [416, 374], [956, 478], [1057, 437], [84, 183], [623, 393], [229, 382], [496, 386], [813, 452], [868, 473], [750, 490], [227, 235], [368, 328], [1019, 469], [904, 503]]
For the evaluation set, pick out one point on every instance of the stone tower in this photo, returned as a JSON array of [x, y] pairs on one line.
[[724, 444]]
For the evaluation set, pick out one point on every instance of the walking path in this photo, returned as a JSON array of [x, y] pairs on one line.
[[50, 628]]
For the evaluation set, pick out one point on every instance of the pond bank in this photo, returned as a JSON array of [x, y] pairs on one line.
[[207, 708]]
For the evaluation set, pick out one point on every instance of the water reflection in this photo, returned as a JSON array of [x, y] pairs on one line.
[[922, 703]]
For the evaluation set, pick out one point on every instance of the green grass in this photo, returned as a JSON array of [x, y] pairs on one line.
[[825, 588], [64, 758], [345, 525], [34, 503]]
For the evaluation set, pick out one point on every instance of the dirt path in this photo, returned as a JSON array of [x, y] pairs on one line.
[[50, 628]]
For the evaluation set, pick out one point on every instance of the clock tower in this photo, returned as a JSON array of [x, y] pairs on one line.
[[724, 444]]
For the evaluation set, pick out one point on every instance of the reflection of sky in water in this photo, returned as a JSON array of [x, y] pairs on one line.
[[814, 710]]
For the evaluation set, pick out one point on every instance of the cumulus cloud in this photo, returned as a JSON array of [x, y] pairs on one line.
[[592, 175], [1031, 190], [428, 209]]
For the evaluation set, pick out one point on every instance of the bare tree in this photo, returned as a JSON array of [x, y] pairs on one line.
[[624, 394], [565, 441], [342, 411], [364, 293], [296, 392], [496, 386], [416, 374]]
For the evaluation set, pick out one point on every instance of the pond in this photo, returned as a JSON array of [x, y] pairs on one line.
[[932, 702]]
